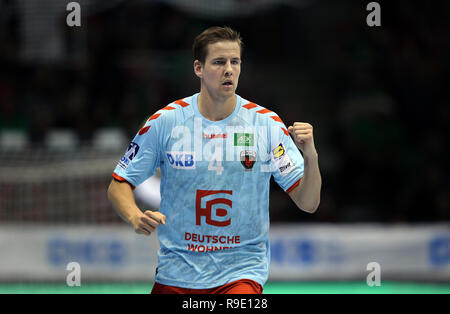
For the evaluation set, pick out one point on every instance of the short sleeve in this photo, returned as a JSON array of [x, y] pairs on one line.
[[287, 161], [141, 158]]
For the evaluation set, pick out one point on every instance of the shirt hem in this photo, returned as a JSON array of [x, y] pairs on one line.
[[196, 285], [293, 186]]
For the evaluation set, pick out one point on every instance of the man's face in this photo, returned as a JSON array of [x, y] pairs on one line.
[[221, 69]]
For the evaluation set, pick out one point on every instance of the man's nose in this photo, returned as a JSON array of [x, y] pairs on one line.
[[228, 68]]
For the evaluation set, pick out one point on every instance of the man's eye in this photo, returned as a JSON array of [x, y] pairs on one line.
[[219, 62]]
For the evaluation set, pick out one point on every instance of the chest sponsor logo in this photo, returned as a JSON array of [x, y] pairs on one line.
[[198, 242], [212, 208], [248, 159], [243, 139], [131, 152], [210, 204], [181, 160]]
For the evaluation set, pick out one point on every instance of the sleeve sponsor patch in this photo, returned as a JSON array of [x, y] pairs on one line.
[[279, 151], [282, 160], [129, 155]]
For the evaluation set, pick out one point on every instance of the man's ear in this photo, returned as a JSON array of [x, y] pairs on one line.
[[198, 68]]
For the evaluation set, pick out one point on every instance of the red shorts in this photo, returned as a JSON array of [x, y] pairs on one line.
[[242, 286]]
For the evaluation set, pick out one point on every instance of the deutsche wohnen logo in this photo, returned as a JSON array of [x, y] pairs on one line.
[[210, 204]]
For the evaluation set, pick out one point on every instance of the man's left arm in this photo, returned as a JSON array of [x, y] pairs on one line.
[[307, 194]]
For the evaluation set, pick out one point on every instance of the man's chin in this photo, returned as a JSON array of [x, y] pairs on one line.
[[228, 91]]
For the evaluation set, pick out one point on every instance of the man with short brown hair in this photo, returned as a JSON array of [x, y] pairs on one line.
[[217, 152]]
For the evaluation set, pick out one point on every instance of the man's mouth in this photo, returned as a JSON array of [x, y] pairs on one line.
[[227, 83]]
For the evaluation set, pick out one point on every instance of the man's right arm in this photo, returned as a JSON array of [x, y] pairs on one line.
[[121, 196]]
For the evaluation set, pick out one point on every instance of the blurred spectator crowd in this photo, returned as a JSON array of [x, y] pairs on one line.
[[378, 98]]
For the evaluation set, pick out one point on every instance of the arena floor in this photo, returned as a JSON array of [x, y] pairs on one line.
[[389, 287]]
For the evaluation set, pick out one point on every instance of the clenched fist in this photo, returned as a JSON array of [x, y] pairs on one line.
[[147, 222], [303, 137]]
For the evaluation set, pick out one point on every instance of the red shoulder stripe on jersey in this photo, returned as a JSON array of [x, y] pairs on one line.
[[293, 186], [144, 130], [285, 131], [167, 108], [276, 118], [262, 111], [250, 105], [120, 179], [182, 103], [153, 117]]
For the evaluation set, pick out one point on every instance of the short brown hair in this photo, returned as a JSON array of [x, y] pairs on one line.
[[213, 35]]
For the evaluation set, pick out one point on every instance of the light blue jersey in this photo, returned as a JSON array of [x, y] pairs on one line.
[[214, 189]]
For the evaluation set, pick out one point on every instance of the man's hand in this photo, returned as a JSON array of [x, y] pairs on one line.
[[306, 195], [303, 137], [147, 222]]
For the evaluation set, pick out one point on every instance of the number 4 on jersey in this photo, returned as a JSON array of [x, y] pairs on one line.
[[216, 159]]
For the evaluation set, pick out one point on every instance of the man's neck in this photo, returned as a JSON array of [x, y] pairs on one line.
[[215, 109]]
